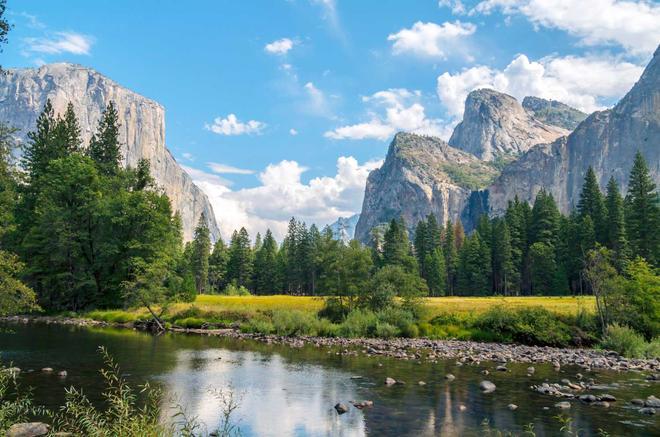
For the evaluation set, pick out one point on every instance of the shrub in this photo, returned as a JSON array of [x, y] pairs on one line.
[[190, 322], [385, 330], [258, 326], [624, 340], [359, 323], [113, 316], [233, 290], [334, 310], [293, 322], [652, 348]]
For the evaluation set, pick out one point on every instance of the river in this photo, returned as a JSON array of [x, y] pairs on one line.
[[286, 391]]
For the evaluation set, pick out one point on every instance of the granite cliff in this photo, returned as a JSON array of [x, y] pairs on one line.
[[23, 93], [553, 113]]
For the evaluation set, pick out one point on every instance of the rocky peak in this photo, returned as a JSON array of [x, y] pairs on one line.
[[496, 125], [344, 228], [23, 93], [421, 175], [554, 113]]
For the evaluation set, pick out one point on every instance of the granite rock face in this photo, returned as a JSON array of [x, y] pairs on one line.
[[495, 125], [606, 140], [421, 175], [23, 93], [344, 228], [554, 113]]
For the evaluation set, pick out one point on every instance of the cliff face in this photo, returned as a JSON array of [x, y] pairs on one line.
[[606, 140], [496, 125], [142, 131], [553, 113], [344, 228], [420, 175]]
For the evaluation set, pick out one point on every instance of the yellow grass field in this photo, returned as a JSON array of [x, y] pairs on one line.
[[437, 305]]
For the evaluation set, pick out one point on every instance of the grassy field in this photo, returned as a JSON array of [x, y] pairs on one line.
[[566, 305]]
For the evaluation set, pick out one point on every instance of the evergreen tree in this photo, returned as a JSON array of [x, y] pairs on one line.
[[421, 247], [239, 265], [504, 272], [643, 213], [544, 226], [218, 267], [104, 146], [451, 257], [200, 258], [435, 272], [592, 204], [474, 267], [615, 229], [265, 266], [518, 217], [396, 247]]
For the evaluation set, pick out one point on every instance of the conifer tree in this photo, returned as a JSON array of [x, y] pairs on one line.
[[396, 247], [218, 267], [451, 257], [265, 266], [504, 272], [239, 265], [201, 250], [615, 225], [643, 212], [592, 204], [104, 146], [436, 272]]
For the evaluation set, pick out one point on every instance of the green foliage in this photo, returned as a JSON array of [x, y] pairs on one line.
[[474, 176], [534, 326], [15, 296], [643, 212], [234, 290], [104, 148], [627, 342], [239, 264], [201, 250], [15, 406]]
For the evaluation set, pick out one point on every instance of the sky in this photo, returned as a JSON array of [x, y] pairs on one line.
[[281, 108]]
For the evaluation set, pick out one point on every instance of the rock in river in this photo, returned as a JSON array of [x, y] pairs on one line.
[[449, 377], [487, 386], [652, 402], [563, 405], [390, 381], [512, 407], [341, 408]]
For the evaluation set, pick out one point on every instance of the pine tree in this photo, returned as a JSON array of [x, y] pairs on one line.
[[591, 203], [643, 212], [200, 257], [71, 130], [504, 272], [436, 272], [38, 152], [396, 247], [265, 266], [218, 267], [544, 226], [420, 243], [104, 146], [451, 257], [474, 267], [615, 230], [239, 265]]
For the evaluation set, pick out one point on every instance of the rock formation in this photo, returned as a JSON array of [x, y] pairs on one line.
[[495, 125], [420, 175], [606, 140], [23, 94], [344, 228], [553, 113]]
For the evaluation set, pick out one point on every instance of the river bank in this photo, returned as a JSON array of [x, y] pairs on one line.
[[414, 349]]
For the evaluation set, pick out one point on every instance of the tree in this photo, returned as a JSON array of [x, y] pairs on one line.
[[15, 296], [544, 224], [104, 146], [239, 265], [592, 204], [504, 272], [390, 281], [643, 212], [265, 266], [474, 267], [615, 235], [601, 276], [451, 257], [435, 272], [545, 274], [201, 252], [396, 247], [218, 267]]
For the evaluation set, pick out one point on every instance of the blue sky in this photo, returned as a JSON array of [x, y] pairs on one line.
[[281, 108]]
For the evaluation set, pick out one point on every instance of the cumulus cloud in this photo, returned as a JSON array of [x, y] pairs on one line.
[[588, 83], [231, 125], [430, 39], [227, 169], [632, 25], [400, 110], [279, 47], [60, 42], [282, 194], [457, 7], [293, 132]]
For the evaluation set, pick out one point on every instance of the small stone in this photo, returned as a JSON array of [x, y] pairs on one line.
[[578, 376], [512, 407], [652, 402], [449, 377], [485, 372], [47, 370], [531, 370], [638, 402], [556, 365], [341, 408], [390, 381], [649, 411], [487, 386], [32, 429], [563, 405], [421, 383], [653, 377], [608, 398], [588, 398], [62, 373], [462, 407], [565, 381], [501, 368], [601, 404]]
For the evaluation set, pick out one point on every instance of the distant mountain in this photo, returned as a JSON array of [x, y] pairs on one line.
[[605, 140], [421, 175], [496, 126], [23, 93], [344, 228], [553, 112]]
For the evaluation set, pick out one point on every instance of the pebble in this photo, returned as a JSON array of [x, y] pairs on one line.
[[588, 398], [485, 372], [47, 369], [462, 407], [647, 410], [638, 402], [487, 386], [652, 402], [31, 429], [62, 373], [512, 407], [341, 408], [531, 370], [564, 405], [363, 404], [421, 383], [501, 368], [607, 398], [449, 377], [390, 381]]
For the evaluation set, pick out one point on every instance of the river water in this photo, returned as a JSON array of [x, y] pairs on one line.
[[286, 391]]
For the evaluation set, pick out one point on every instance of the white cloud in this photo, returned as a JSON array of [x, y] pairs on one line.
[[331, 16], [588, 83], [402, 111], [282, 194], [457, 6], [227, 169], [293, 132], [317, 103], [232, 126], [61, 42], [188, 156], [631, 24], [431, 39], [279, 47]]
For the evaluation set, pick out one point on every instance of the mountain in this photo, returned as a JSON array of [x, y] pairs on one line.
[[23, 93], [605, 140], [495, 125], [420, 175], [344, 228], [553, 112]]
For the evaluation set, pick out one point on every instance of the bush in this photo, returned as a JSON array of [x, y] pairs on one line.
[[233, 290], [292, 323], [334, 310], [190, 322], [359, 323], [385, 330], [625, 341], [258, 326], [113, 316]]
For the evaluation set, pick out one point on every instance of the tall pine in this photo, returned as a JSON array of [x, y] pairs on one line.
[[643, 212]]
